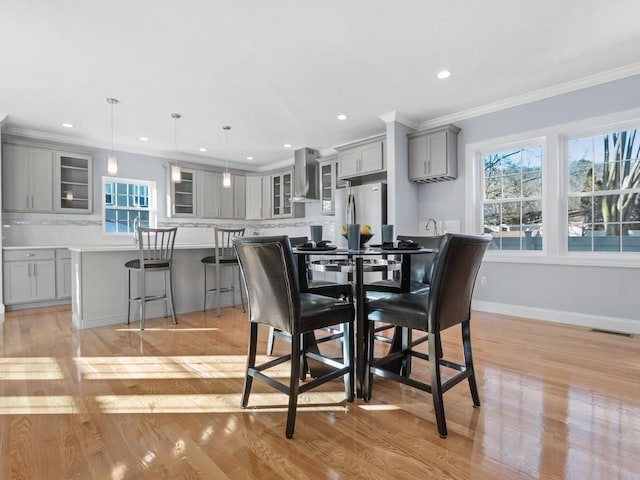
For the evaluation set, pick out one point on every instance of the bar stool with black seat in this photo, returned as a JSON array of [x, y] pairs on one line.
[[446, 303], [224, 256], [155, 247], [271, 276], [308, 284]]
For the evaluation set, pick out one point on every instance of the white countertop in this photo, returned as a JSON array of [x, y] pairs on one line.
[[110, 248]]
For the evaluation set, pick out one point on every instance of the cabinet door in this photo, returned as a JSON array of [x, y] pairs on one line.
[[239, 197], [43, 280], [254, 198], [73, 182], [63, 278], [348, 162], [417, 157], [371, 157], [327, 187], [41, 178], [226, 199], [184, 194], [17, 282], [209, 194], [287, 192], [267, 207], [15, 177], [276, 195], [437, 154]]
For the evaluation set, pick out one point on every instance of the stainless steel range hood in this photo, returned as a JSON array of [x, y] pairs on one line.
[[305, 176]]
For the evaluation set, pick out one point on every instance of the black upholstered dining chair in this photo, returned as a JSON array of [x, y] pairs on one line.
[[270, 272], [310, 285], [447, 302]]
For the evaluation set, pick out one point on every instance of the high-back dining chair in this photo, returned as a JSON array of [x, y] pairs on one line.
[[271, 276], [308, 284], [224, 256], [155, 254], [446, 303]]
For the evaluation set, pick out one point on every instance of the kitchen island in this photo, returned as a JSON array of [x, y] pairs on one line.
[[99, 284]]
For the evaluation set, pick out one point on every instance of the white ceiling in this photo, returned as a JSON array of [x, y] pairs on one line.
[[279, 71]]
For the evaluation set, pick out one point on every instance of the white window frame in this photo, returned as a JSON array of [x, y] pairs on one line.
[[153, 210], [555, 191]]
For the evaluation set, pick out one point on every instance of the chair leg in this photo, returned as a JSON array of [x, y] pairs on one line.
[[143, 300], [436, 383], [251, 363], [218, 288], [348, 359], [468, 361], [271, 340], [129, 290], [204, 303], [164, 294], [369, 339], [293, 385], [173, 308]]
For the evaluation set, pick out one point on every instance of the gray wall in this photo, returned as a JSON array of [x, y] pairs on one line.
[[594, 296]]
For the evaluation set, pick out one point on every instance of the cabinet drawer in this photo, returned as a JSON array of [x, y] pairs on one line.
[[22, 255], [63, 253]]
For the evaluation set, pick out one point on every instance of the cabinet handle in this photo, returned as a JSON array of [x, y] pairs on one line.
[[35, 274], [30, 254], [424, 168], [429, 170]]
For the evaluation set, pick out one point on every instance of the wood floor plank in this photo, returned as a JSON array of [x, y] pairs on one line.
[[113, 402]]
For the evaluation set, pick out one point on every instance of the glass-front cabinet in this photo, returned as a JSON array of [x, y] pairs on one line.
[[73, 182], [281, 190], [328, 183], [183, 194]]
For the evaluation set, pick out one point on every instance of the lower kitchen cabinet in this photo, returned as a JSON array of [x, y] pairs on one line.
[[32, 276]]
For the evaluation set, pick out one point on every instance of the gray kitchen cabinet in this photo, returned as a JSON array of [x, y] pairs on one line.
[[362, 158], [183, 194], [29, 276], [208, 199], [72, 182], [63, 273], [328, 183], [253, 197], [239, 197], [27, 179], [267, 209], [433, 154], [281, 193]]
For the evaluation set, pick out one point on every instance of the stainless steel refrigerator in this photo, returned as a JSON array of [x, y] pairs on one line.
[[364, 204]]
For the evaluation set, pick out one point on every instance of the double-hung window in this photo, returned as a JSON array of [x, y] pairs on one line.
[[603, 213], [127, 204], [512, 197]]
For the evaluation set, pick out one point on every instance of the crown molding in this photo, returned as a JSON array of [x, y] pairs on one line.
[[60, 141], [394, 116], [559, 89]]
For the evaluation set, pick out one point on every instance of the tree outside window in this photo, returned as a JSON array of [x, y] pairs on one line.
[[512, 203], [604, 185]]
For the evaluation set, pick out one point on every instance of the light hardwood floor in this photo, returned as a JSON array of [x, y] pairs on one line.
[[116, 403]]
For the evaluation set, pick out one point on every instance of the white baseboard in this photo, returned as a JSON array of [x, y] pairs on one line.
[[599, 322]]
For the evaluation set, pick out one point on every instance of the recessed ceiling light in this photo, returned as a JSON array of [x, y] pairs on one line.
[[202, 149], [444, 74], [67, 125], [342, 116], [144, 139], [287, 145], [249, 158]]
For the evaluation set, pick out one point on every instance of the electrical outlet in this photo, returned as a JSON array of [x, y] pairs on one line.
[[483, 281]]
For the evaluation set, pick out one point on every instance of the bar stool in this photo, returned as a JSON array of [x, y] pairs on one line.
[[224, 256], [155, 246]]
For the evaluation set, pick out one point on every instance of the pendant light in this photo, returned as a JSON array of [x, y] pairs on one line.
[[226, 176], [112, 161], [176, 173]]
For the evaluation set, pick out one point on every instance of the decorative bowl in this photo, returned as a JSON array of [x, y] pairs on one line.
[[364, 238]]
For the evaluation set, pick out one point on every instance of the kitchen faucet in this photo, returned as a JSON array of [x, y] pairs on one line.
[[435, 226]]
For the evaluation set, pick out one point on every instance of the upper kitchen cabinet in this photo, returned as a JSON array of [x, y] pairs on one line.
[[27, 179], [73, 182], [362, 158], [239, 196], [433, 154], [183, 194], [253, 187], [328, 183], [281, 193]]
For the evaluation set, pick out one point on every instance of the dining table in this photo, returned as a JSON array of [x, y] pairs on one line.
[[356, 263]]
